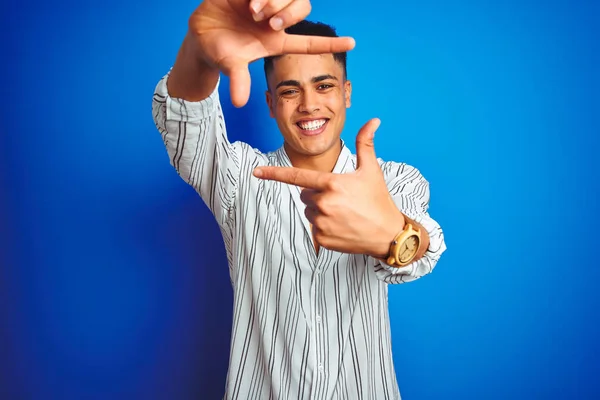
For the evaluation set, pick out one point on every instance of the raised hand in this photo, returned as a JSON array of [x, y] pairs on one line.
[[230, 34], [350, 213]]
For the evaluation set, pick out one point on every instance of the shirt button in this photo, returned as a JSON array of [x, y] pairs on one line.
[[321, 369], [318, 319]]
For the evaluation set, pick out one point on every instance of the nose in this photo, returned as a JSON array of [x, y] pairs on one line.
[[308, 102]]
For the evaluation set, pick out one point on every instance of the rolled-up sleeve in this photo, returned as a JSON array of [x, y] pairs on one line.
[[411, 194], [195, 138]]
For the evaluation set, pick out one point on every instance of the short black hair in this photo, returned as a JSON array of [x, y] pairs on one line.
[[309, 28]]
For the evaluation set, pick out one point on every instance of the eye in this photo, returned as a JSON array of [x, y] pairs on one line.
[[288, 92], [324, 86]]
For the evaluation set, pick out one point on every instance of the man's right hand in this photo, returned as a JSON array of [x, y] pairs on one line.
[[230, 34]]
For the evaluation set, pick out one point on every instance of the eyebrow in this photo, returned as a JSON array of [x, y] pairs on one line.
[[316, 79]]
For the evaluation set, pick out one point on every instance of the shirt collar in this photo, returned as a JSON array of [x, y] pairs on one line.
[[341, 164]]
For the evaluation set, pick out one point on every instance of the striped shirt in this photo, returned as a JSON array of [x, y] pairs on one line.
[[306, 325]]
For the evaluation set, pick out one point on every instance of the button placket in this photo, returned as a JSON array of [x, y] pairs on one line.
[[318, 324]]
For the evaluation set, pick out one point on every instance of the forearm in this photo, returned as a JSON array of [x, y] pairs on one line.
[[191, 78]]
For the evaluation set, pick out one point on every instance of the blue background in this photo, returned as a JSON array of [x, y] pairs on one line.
[[113, 278]]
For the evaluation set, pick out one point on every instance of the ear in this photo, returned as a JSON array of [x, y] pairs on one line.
[[269, 99], [348, 93]]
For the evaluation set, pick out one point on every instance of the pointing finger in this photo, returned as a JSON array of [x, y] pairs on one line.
[[295, 176]]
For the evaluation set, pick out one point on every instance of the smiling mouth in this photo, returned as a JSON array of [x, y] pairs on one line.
[[312, 126]]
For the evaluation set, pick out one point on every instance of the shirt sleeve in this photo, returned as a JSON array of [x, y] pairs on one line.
[[411, 193], [195, 137]]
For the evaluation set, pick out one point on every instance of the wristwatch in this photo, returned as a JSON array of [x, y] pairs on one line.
[[404, 247]]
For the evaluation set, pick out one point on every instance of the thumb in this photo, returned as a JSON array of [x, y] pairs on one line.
[[239, 84], [365, 148]]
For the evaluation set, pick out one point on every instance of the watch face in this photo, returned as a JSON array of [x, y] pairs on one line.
[[409, 249]]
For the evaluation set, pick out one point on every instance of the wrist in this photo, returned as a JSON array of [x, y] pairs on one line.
[[193, 54], [396, 224], [192, 78]]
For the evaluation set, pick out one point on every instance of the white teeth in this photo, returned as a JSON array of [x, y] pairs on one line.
[[312, 125]]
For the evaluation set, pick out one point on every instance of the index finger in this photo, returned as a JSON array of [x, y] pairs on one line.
[[304, 44], [295, 176]]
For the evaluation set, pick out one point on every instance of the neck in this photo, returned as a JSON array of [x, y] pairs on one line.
[[324, 162]]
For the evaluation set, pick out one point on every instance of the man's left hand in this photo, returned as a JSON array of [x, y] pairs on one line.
[[349, 213]]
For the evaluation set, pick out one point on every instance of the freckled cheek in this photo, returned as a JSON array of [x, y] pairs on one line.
[[286, 107], [281, 102]]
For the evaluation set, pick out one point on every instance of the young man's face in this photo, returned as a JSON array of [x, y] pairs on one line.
[[308, 97]]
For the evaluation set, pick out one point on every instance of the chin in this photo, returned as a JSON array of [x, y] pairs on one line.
[[311, 145], [317, 149]]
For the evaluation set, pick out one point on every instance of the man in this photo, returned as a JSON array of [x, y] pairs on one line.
[[313, 233]]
